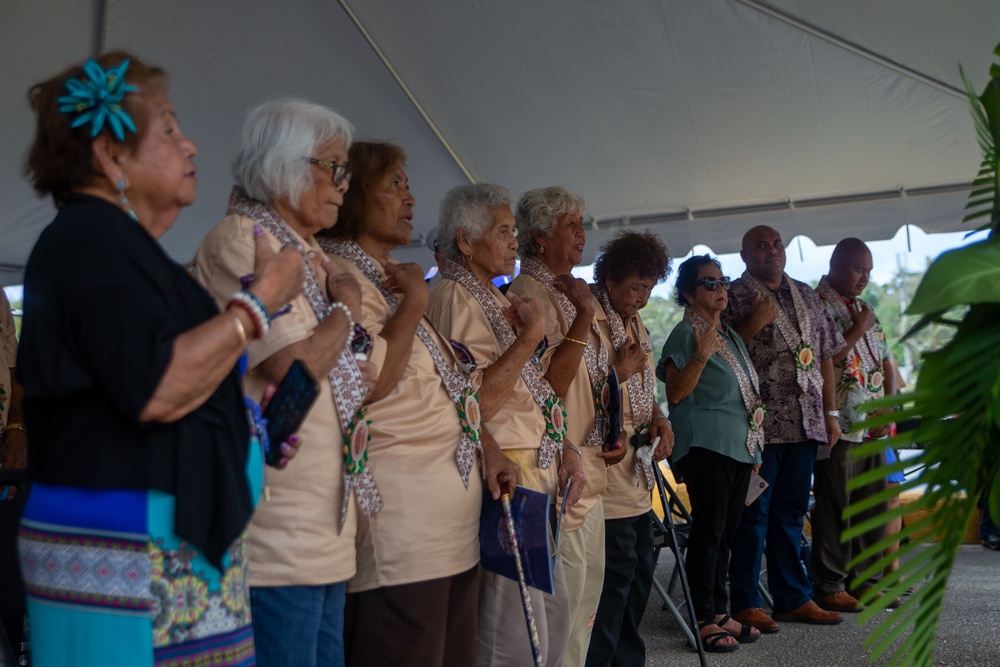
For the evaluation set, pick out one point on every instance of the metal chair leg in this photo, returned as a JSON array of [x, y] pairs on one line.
[[668, 531]]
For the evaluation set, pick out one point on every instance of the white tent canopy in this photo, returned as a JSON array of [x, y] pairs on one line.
[[695, 119]]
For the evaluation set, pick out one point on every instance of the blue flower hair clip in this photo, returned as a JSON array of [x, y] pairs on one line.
[[99, 98]]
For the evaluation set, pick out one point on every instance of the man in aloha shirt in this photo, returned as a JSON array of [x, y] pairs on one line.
[[864, 371], [791, 342]]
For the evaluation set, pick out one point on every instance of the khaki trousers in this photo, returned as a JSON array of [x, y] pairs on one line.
[[502, 638], [582, 553]]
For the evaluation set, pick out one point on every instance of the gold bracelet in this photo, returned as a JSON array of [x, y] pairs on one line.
[[240, 329], [575, 340], [16, 426]]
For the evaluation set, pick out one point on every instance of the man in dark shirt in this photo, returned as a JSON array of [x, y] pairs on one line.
[[791, 341]]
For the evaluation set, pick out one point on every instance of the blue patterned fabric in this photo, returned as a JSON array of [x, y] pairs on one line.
[[110, 584]]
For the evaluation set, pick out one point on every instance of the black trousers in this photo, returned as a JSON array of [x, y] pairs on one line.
[[628, 578], [717, 486]]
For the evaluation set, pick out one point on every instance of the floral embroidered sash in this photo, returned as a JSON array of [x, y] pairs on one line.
[[871, 377], [346, 382], [641, 390], [548, 402], [596, 360], [746, 376], [456, 383], [799, 340]]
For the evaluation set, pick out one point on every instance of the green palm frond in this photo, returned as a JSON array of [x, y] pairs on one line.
[[957, 400], [983, 200]]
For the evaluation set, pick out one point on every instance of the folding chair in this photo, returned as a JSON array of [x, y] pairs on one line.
[[668, 533]]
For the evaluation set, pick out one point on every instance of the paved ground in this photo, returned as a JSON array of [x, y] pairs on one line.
[[968, 636]]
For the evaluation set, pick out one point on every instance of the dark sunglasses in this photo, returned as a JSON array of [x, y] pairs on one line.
[[340, 172], [712, 284]]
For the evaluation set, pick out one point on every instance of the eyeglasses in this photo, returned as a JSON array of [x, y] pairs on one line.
[[341, 172], [712, 284]]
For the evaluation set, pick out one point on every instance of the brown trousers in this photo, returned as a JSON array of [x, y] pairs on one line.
[[830, 556], [426, 624]]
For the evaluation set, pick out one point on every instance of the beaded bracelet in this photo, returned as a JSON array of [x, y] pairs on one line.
[[347, 311], [258, 304], [249, 302], [258, 323]]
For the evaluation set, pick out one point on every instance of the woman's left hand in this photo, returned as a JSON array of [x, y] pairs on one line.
[[571, 468], [290, 447], [660, 428]]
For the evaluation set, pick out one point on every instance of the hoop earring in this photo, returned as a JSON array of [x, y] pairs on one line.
[[125, 204]]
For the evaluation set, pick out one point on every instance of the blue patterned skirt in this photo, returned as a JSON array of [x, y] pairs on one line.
[[110, 584]]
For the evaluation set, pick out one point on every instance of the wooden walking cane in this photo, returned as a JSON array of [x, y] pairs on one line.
[[514, 543]]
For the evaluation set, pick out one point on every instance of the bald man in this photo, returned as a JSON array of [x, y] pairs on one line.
[[792, 342], [864, 371]]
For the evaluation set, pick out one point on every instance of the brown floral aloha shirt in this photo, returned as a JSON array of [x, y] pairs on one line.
[[850, 386], [779, 388]]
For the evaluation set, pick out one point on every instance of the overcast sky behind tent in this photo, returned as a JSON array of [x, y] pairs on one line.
[[808, 263], [812, 263]]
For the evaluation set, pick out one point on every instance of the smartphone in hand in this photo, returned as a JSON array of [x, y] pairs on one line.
[[289, 406]]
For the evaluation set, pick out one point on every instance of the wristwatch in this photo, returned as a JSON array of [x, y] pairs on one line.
[[832, 413]]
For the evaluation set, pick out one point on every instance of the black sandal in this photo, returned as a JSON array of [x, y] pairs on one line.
[[746, 635], [711, 641]]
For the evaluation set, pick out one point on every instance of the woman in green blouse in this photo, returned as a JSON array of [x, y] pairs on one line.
[[713, 394]]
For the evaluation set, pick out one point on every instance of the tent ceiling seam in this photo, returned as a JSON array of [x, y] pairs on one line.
[[785, 204], [788, 203], [856, 49], [100, 27], [406, 90]]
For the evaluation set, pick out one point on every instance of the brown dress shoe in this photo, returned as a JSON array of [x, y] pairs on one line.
[[839, 601], [894, 604], [756, 618], [809, 613]]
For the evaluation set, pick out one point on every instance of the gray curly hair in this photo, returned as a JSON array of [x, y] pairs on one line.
[[537, 212], [468, 207]]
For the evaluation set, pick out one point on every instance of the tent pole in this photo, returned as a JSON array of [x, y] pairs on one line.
[[100, 27], [853, 48], [409, 94]]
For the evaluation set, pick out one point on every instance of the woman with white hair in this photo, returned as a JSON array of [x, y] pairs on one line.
[[575, 362], [501, 335], [291, 174]]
